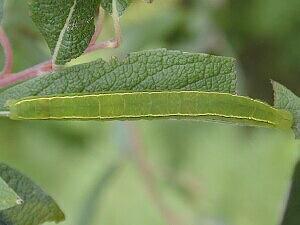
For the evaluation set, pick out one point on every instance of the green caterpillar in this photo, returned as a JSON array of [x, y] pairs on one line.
[[151, 105]]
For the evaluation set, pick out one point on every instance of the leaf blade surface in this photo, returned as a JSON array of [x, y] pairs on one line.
[[152, 70], [67, 26]]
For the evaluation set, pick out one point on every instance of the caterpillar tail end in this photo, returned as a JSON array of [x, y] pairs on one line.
[[285, 121], [11, 110], [5, 114]]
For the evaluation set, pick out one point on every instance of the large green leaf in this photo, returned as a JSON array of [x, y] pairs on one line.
[[37, 208], [8, 198], [154, 70], [287, 100], [67, 26]]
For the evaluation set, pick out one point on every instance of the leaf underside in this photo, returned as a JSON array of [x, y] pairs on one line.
[[153, 70], [287, 100], [37, 208], [8, 198], [67, 26]]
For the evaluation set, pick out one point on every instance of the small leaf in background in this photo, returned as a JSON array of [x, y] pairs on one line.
[[153, 70], [287, 100], [291, 216], [37, 208], [8, 198], [67, 26], [122, 5]]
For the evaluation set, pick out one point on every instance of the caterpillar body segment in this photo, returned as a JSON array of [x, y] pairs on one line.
[[151, 105]]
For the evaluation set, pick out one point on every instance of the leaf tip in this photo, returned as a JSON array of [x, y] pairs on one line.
[[285, 99]]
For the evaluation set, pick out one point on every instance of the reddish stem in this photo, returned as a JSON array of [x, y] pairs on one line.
[[32, 72], [8, 53], [47, 67], [99, 27], [113, 43]]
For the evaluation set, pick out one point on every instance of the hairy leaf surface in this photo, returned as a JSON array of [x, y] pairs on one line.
[[287, 100], [154, 70], [37, 208], [67, 26], [8, 198]]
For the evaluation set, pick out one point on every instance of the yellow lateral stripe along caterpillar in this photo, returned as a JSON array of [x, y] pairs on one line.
[[151, 105]]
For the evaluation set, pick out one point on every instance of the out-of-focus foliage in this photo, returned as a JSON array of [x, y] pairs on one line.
[[28, 45], [265, 35], [1, 9], [291, 216], [207, 174], [35, 208]]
